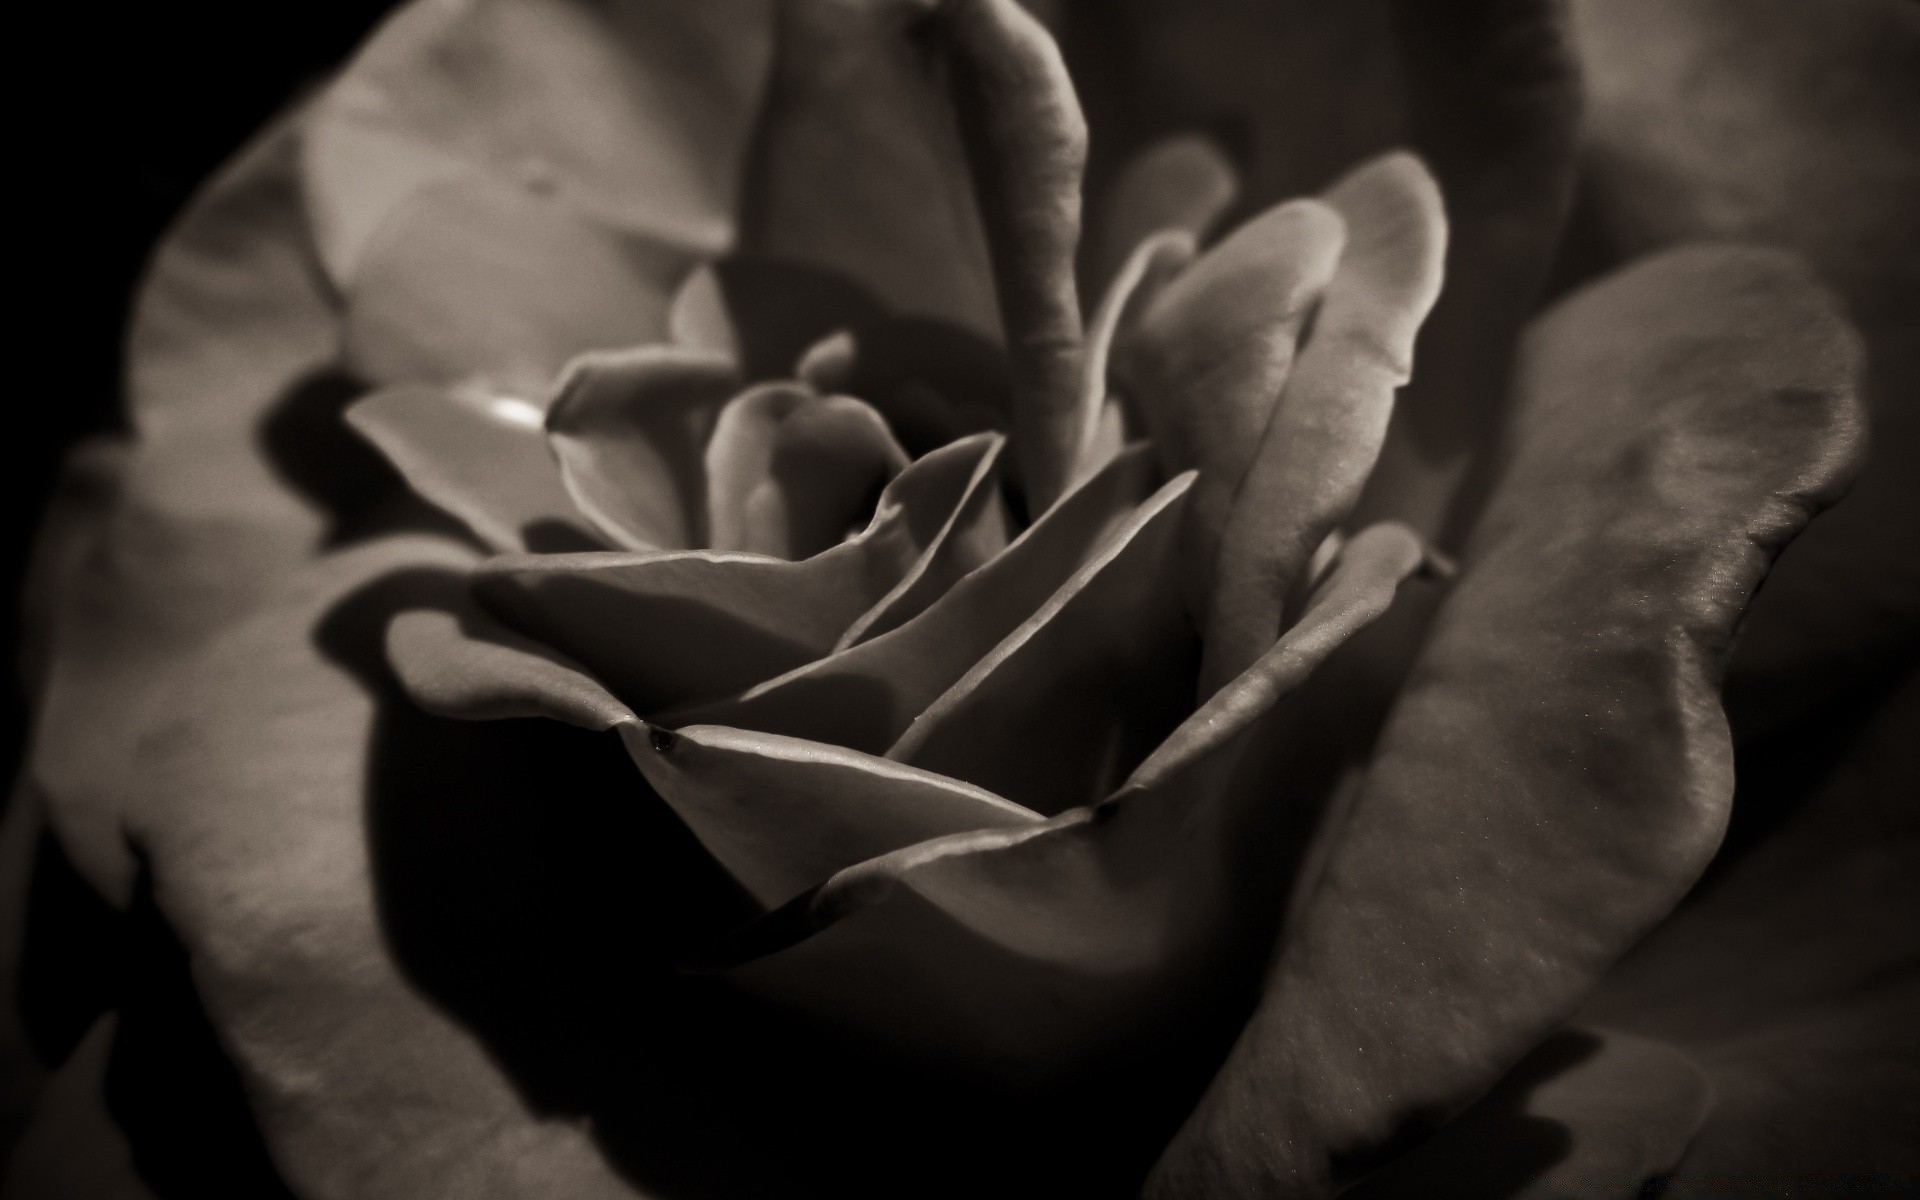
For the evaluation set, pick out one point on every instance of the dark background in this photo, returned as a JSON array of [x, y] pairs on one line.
[[135, 104]]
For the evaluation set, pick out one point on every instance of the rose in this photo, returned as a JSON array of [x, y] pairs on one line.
[[184, 883]]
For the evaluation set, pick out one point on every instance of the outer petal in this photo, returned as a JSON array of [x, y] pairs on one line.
[[458, 662], [593, 104], [254, 820], [679, 628], [1179, 183], [1558, 757], [1794, 125]]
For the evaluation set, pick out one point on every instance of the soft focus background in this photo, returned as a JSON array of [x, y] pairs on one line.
[[159, 96]]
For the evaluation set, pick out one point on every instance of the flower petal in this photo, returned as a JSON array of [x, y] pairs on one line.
[[1026, 146], [1207, 359], [1492, 104], [1793, 126], [1101, 421], [1590, 1112], [857, 167], [72, 1146], [1178, 183], [789, 471], [1326, 429], [782, 814], [1558, 756], [478, 281], [461, 663], [232, 329], [629, 429], [479, 457], [254, 821], [678, 628], [866, 696], [593, 104], [1031, 954]]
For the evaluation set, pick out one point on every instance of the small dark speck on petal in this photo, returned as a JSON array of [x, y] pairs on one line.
[[662, 740]]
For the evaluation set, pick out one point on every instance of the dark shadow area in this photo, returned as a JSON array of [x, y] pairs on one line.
[[1492, 1150], [307, 439], [530, 881], [70, 957]]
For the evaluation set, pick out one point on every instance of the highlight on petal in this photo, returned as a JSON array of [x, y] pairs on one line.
[[475, 281], [1206, 361], [666, 629], [1026, 146], [789, 472], [461, 663], [865, 696], [1558, 756], [1180, 183], [629, 429], [782, 814], [698, 318], [481, 458], [1326, 429], [590, 104]]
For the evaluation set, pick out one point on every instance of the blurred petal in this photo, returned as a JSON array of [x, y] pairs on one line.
[[1574, 666], [593, 104], [857, 167], [461, 663], [72, 1149], [477, 281], [1492, 105], [1591, 1112], [230, 329], [866, 696], [1026, 146], [253, 820], [1180, 183], [630, 429], [783, 814], [1207, 359], [480, 458], [698, 318], [1030, 954], [1791, 124], [1327, 426], [678, 628]]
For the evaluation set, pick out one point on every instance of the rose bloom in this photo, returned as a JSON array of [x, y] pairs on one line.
[[680, 617]]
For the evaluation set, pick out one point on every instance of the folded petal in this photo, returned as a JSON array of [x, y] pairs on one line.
[[1100, 420], [594, 105], [1326, 429], [1207, 359], [1180, 183], [782, 814], [629, 429], [865, 697], [1557, 772], [1026, 144], [682, 627], [479, 281], [1031, 954], [1794, 126], [481, 458]]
